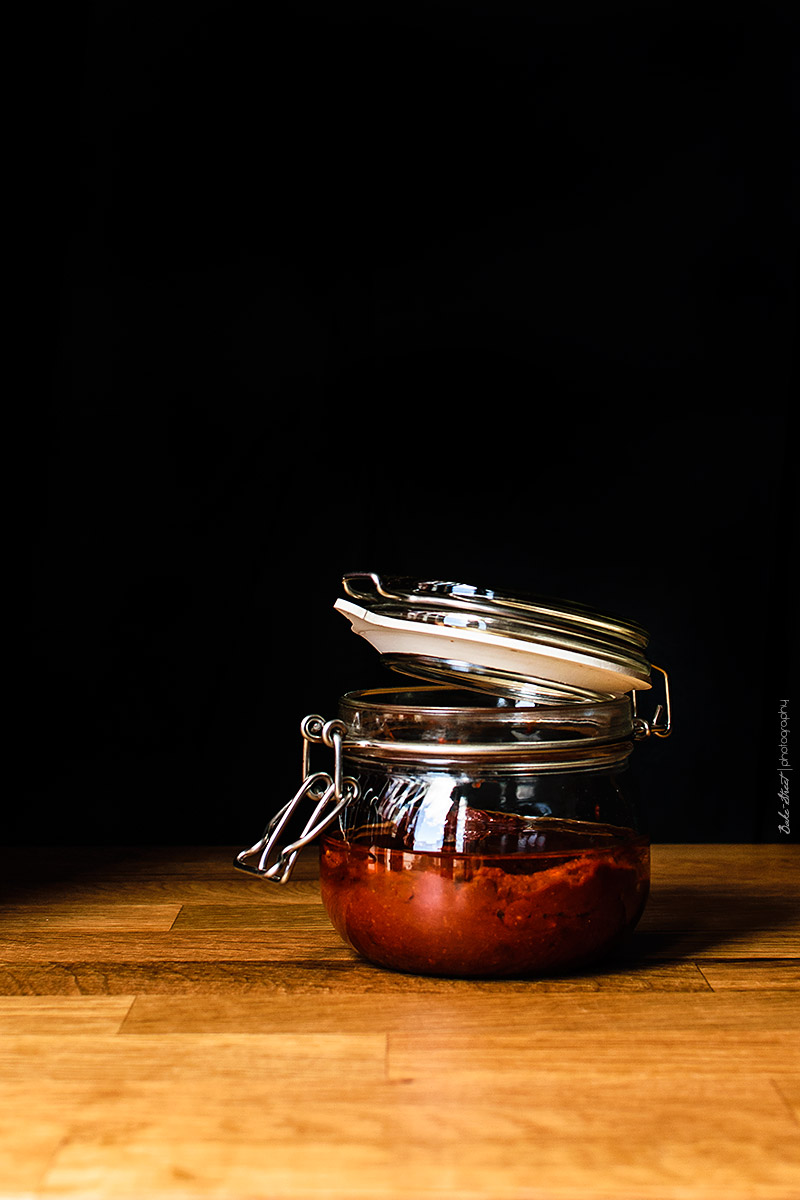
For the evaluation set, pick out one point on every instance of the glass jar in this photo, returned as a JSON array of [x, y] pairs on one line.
[[486, 839], [463, 832]]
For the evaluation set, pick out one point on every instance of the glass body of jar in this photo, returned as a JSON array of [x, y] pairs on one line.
[[489, 838]]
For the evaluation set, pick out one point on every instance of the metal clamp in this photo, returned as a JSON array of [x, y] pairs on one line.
[[661, 723], [276, 864], [375, 579]]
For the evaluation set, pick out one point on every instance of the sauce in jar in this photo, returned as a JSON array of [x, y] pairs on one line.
[[565, 898]]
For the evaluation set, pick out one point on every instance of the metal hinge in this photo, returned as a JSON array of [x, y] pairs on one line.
[[330, 793], [661, 723]]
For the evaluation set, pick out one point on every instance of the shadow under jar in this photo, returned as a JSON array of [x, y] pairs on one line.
[[488, 838]]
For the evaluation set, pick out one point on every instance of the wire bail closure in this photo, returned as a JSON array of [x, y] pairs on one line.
[[660, 725], [268, 861]]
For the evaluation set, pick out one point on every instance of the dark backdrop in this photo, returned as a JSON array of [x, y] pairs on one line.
[[490, 291]]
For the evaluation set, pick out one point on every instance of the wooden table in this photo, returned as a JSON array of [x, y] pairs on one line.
[[172, 1028]]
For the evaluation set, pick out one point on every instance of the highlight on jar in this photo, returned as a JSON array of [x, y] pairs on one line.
[[474, 821]]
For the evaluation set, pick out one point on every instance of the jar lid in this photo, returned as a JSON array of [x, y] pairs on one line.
[[521, 646]]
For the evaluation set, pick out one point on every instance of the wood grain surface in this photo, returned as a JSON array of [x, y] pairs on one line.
[[170, 1028]]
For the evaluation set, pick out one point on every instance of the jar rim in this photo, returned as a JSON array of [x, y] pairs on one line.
[[476, 702]]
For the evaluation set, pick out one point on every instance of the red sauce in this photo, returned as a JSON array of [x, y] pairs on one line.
[[446, 913]]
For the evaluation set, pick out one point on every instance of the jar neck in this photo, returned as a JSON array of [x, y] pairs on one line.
[[447, 727]]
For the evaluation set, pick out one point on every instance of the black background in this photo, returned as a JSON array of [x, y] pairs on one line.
[[495, 292]]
